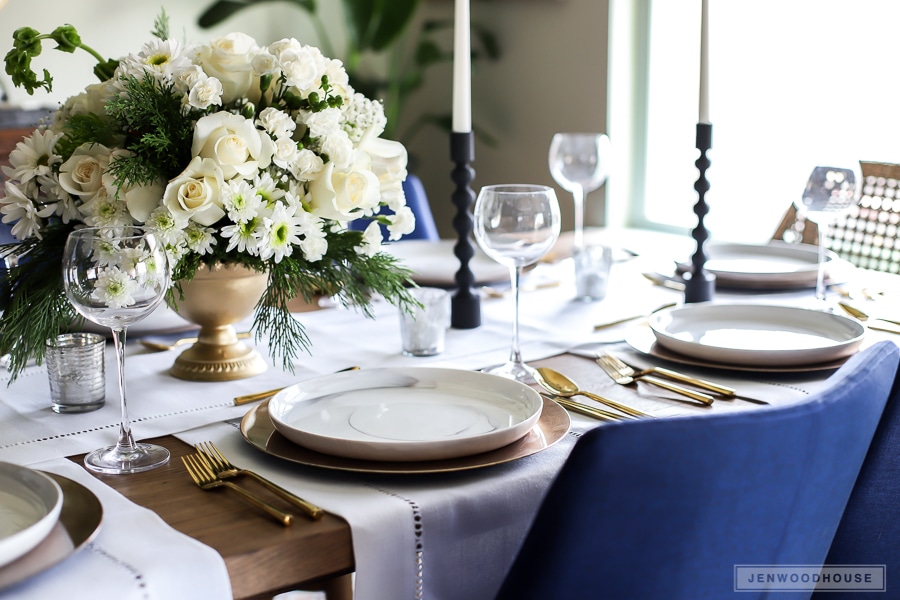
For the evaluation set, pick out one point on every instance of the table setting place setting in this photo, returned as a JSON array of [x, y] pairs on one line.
[[325, 434], [422, 399]]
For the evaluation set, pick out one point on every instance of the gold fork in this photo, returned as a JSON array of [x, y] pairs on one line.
[[223, 469], [625, 375], [700, 383], [207, 480]]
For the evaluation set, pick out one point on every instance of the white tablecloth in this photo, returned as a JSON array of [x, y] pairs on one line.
[[436, 536]]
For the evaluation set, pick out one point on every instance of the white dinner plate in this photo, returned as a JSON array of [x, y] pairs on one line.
[[30, 503], [755, 334], [405, 414], [776, 265], [434, 264]]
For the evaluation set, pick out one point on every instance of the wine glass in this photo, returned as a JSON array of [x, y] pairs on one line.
[[115, 277], [830, 194], [579, 163], [516, 225]]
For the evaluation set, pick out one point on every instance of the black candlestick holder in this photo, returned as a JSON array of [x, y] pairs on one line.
[[699, 284], [465, 304]]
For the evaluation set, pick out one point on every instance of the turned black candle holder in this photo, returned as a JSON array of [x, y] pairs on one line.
[[465, 304], [700, 285]]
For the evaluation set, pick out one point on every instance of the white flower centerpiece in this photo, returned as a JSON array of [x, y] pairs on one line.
[[230, 152]]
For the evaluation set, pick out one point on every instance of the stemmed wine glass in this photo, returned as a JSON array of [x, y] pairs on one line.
[[116, 276], [516, 225], [579, 163], [830, 194]]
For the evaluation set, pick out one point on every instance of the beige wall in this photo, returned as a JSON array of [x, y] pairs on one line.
[[551, 77]]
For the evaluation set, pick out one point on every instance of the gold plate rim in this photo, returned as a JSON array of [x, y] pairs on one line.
[[79, 522], [259, 431]]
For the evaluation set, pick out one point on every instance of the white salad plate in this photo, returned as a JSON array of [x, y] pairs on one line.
[[30, 503], [433, 263], [755, 334], [776, 265], [405, 414]]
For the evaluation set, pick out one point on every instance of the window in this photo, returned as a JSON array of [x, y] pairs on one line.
[[792, 85]]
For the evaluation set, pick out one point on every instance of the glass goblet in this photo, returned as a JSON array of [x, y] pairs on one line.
[[829, 195], [115, 277], [516, 225], [579, 163]]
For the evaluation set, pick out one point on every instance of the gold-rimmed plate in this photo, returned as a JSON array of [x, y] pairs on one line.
[[79, 521], [643, 340], [259, 430]]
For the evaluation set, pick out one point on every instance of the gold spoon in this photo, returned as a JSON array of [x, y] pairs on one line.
[[559, 384]]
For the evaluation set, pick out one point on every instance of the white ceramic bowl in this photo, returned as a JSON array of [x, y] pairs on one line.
[[30, 503]]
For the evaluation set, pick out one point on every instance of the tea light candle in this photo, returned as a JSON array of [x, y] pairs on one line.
[[462, 69], [704, 62]]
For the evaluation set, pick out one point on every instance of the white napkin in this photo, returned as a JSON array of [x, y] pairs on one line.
[[451, 535], [120, 564]]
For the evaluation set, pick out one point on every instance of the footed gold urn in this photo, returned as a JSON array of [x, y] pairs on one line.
[[215, 299]]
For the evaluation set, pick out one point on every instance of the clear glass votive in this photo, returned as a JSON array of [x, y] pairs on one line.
[[423, 332], [592, 265], [76, 369]]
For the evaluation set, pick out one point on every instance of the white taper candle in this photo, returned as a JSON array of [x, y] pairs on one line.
[[462, 69]]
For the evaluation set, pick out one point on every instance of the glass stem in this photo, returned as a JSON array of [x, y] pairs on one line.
[[126, 440], [820, 276], [578, 195], [515, 355]]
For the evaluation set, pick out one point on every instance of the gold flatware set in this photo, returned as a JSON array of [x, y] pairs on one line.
[[209, 469]]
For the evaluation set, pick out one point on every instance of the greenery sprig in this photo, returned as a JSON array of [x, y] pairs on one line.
[[28, 43]]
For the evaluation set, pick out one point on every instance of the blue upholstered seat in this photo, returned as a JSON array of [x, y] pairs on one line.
[[869, 533], [666, 508]]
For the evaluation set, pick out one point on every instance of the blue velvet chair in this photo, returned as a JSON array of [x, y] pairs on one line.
[[417, 201], [869, 533], [666, 508]]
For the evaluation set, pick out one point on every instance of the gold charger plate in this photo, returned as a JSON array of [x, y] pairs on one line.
[[643, 340], [258, 429], [79, 521]]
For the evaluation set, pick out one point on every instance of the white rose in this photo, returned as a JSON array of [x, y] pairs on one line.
[[388, 162], [205, 93], [229, 60], [82, 174], [143, 200], [196, 193], [236, 145], [343, 195]]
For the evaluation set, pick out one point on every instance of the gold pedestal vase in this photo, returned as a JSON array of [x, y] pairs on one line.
[[215, 299]]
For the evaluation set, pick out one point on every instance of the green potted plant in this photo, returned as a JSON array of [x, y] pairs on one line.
[[377, 28]]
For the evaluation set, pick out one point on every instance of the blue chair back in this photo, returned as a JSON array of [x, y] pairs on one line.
[[869, 532], [666, 508], [417, 201]]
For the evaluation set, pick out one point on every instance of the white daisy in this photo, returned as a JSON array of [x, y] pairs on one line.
[[200, 239], [34, 156], [282, 232], [18, 208], [267, 189], [244, 236], [240, 200], [115, 288]]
